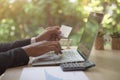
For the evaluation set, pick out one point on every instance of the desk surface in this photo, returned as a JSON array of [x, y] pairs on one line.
[[107, 67]]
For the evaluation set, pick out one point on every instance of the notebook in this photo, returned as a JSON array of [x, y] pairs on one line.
[[84, 47]]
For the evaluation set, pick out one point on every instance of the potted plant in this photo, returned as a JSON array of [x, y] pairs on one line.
[[99, 41], [115, 43], [112, 24]]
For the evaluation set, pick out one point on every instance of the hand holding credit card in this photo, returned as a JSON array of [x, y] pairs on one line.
[[65, 31]]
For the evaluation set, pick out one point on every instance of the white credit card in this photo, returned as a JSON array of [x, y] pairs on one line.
[[65, 31]]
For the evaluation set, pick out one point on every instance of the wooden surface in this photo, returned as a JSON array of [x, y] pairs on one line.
[[107, 67]]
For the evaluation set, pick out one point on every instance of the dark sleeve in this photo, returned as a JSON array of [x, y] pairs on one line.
[[12, 58], [7, 46]]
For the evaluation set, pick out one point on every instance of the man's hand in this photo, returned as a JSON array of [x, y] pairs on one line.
[[42, 47], [50, 34]]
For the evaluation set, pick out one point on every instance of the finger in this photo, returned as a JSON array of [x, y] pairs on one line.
[[56, 36], [54, 48], [48, 28], [53, 33], [54, 27], [54, 30], [52, 38], [58, 46]]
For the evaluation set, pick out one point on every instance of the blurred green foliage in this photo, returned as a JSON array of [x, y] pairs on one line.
[[24, 18]]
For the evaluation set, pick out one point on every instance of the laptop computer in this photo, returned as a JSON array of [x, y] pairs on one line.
[[83, 50]]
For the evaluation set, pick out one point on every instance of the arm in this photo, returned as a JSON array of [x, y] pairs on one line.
[[50, 34], [7, 46], [12, 58], [16, 53], [20, 56]]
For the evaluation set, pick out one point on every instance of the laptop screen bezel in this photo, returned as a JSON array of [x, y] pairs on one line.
[[100, 15]]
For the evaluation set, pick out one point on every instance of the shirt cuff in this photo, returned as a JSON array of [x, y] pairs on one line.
[[33, 40]]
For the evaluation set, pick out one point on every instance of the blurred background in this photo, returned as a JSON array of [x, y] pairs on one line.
[[21, 19]]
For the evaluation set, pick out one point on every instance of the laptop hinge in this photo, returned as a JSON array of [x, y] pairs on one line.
[[82, 55]]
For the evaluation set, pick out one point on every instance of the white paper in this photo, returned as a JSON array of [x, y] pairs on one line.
[[51, 73], [65, 31]]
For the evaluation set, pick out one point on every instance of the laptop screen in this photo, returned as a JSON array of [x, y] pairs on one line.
[[89, 34]]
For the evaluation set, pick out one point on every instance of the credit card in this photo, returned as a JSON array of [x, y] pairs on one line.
[[65, 31]]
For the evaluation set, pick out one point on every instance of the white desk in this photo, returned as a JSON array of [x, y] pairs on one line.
[[107, 67]]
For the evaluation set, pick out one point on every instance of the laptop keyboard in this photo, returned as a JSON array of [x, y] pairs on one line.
[[51, 57], [72, 55], [69, 53]]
